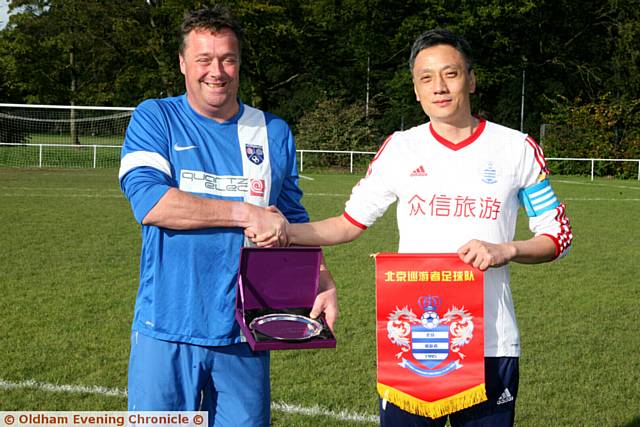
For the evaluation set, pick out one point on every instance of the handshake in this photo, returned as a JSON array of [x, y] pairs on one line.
[[268, 227]]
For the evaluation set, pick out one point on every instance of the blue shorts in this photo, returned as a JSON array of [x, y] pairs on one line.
[[230, 382], [501, 379]]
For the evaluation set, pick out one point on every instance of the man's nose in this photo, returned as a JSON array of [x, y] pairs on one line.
[[440, 85], [216, 68]]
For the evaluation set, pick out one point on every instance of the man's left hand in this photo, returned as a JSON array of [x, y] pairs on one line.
[[326, 300]]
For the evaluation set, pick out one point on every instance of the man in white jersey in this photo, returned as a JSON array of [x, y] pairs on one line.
[[458, 181], [200, 171]]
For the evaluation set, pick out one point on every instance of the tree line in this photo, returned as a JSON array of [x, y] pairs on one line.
[[337, 70]]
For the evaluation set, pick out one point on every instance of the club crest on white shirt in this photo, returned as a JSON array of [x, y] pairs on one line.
[[255, 153], [489, 174]]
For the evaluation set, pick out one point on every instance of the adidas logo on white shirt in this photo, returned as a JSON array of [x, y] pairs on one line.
[[505, 397], [419, 172]]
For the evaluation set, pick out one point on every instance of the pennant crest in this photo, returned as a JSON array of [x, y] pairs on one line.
[[430, 338]]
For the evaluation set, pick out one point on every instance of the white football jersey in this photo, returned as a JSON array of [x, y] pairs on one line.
[[448, 194]]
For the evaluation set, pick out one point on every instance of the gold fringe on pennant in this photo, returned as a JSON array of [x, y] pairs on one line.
[[438, 408]]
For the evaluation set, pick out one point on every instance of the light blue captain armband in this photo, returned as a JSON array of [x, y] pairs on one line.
[[538, 199]]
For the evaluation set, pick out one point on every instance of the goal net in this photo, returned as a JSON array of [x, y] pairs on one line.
[[52, 136]]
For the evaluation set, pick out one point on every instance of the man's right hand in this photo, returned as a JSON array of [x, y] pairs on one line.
[[268, 226]]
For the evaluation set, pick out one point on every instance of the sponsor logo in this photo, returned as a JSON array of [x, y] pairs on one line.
[[419, 172], [202, 182], [505, 397], [183, 147], [254, 153], [257, 187]]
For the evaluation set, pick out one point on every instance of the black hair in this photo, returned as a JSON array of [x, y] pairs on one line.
[[438, 36], [213, 19]]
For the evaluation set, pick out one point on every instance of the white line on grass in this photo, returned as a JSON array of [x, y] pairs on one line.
[[597, 199], [120, 196], [627, 187], [64, 388], [326, 195], [66, 189], [58, 195], [62, 195], [313, 411], [307, 177]]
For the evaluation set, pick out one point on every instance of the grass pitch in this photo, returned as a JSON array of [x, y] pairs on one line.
[[69, 252]]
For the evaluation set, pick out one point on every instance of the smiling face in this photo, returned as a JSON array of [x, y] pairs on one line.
[[210, 63], [443, 83]]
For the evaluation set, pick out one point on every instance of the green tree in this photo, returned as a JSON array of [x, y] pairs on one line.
[[298, 52], [337, 126], [604, 128]]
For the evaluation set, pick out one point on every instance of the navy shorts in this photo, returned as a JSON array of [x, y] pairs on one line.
[[230, 382], [501, 379]]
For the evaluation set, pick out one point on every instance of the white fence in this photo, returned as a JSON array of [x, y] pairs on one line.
[[94, 156], [59, 156], [350, 153], [593, 162]]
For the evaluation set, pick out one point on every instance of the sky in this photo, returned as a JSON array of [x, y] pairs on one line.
[[4, 10]]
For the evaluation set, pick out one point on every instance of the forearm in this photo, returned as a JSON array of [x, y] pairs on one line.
[[533, 251], [484, 255], [326, 279], [178, 210], [331, 231]]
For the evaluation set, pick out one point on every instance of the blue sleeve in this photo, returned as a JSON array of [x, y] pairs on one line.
[[145, 171], [144, 188], [289, 200]]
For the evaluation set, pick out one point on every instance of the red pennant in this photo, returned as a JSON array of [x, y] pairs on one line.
[[430, 332]]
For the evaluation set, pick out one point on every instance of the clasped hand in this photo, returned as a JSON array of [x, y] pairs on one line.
[[268, 228]]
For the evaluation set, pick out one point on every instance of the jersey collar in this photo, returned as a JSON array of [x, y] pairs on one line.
[[455, 147], [208, 121]]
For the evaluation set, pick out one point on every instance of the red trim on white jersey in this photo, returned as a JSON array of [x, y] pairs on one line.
[[539, 155], [378, 153], [382, 147], [464, 143], [564, 238], [354, 222]]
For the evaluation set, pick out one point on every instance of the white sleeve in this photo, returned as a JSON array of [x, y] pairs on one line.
[[373, 194], [547, 216]]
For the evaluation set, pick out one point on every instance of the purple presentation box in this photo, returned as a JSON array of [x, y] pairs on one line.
[[279, 280]]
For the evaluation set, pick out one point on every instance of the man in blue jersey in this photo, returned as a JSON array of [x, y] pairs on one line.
[[201, 170]]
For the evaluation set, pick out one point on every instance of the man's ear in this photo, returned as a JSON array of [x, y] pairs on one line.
[[472, 81], [182, 67]]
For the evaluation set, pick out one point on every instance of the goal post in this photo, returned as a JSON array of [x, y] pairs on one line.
[[61, 136]]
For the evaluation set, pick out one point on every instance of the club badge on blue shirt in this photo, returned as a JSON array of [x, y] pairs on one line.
[[254, 153]]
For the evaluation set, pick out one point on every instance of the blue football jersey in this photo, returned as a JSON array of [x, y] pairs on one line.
[[187, 278]]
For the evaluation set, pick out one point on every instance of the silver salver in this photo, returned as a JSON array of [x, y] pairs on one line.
[[286, 327]]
